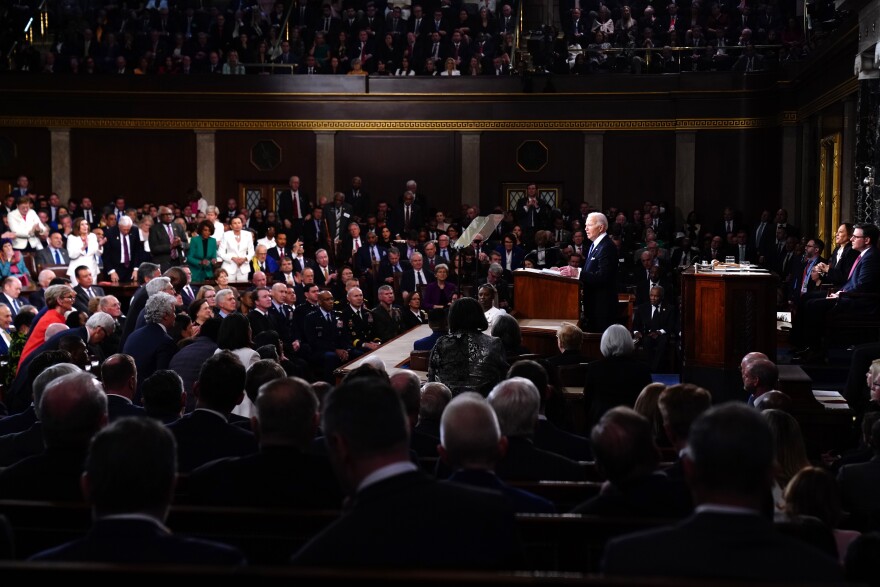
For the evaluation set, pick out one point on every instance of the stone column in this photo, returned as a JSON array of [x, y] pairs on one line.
[[470, 169], [206, 165], [594, 148], [59, 139], [325, 150], [685, 170]]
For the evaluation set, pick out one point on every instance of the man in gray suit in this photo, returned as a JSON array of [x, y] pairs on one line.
[[55, 253]]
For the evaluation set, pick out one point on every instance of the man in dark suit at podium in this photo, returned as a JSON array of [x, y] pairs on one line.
[[599, 276]]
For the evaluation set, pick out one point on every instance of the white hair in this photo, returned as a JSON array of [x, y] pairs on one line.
[[616, 342]]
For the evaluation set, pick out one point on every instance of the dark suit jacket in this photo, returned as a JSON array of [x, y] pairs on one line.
[[18, 422], [363, 259], [599, 281], [276, 476], [552, 439], [160, 245], [151, 348], [858, 487], [520, 500], [427, 343], [719, 546], [397, 222], [20, 445], [526, 462], [50, 476], [611, 382], [463, 528], [45, 258], [113, 253], [203, 437], [865, 278], [287, 208], [187, 363], [838, 272], [664, 320], [648, 496], [141, 541], [138, 301], [120, 407], [38, 299], [408, 279], [259, 322], [82, 299]]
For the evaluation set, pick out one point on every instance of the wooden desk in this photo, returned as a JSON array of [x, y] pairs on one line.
[[725, 315]]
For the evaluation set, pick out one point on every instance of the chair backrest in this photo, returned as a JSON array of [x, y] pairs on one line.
[[572, 375], [31, 265]]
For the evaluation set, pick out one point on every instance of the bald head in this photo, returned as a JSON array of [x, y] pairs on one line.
[[73, 408], [435, 397]]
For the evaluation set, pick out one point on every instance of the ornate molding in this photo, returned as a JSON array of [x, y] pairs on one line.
[[666, 124]]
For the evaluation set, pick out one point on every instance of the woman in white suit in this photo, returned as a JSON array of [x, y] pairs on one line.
[[236, 251], [83, 248], [25, 227]]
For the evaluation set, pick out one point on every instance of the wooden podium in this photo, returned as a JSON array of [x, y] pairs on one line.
[[541, 295], [724, 316]]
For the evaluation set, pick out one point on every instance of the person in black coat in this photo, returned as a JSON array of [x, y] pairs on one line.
[[654, 325], [294, 206], [150, 346], [123, 252], [128, 480], [732, 462], [599, 276], [283, 473], [617, 378], [463, 528], [206, 434]]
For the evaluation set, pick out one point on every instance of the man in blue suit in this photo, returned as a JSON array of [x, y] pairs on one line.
[[150, 346], [599, 276], [858, 295], [128, 480]]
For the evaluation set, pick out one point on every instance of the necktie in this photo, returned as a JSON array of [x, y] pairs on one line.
[[329, 318], [58, 260], [171, 238], [418, 278], [653, 312], [125, 257], [406, 219], [326, 273], [15, 306], [728, 229], [853, 269], [397, 268], [590, 254], [357, 244], [189, 291], [296, 201], [373, 254], [760, 232], [280, 253], [89, 293]]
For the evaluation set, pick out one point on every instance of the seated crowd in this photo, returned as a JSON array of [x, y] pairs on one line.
[[224, 367], [400, 38]]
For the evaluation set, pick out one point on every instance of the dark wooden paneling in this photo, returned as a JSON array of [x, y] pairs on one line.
[[637, 167], [386, 161], [565, 165], [738, 169], [233, 157], [141, 166], [33, 158]]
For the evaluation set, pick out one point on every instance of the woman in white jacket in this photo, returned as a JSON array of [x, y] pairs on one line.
[[236, 251], [83, 247]]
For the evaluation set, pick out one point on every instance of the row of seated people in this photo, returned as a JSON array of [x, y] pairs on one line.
[[370, 426], [171, 40]]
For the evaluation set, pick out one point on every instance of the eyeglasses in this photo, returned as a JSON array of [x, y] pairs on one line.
[[857, 236]]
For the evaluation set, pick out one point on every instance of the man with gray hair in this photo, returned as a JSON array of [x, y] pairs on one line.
[[122, 252], [434, 398], [225, 302], [598, 276], [516, 402], [19, 445], [759, 376], [471, 444], [147, 272], [72, 409], [150, 346], [415, 276], [285, 471]]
